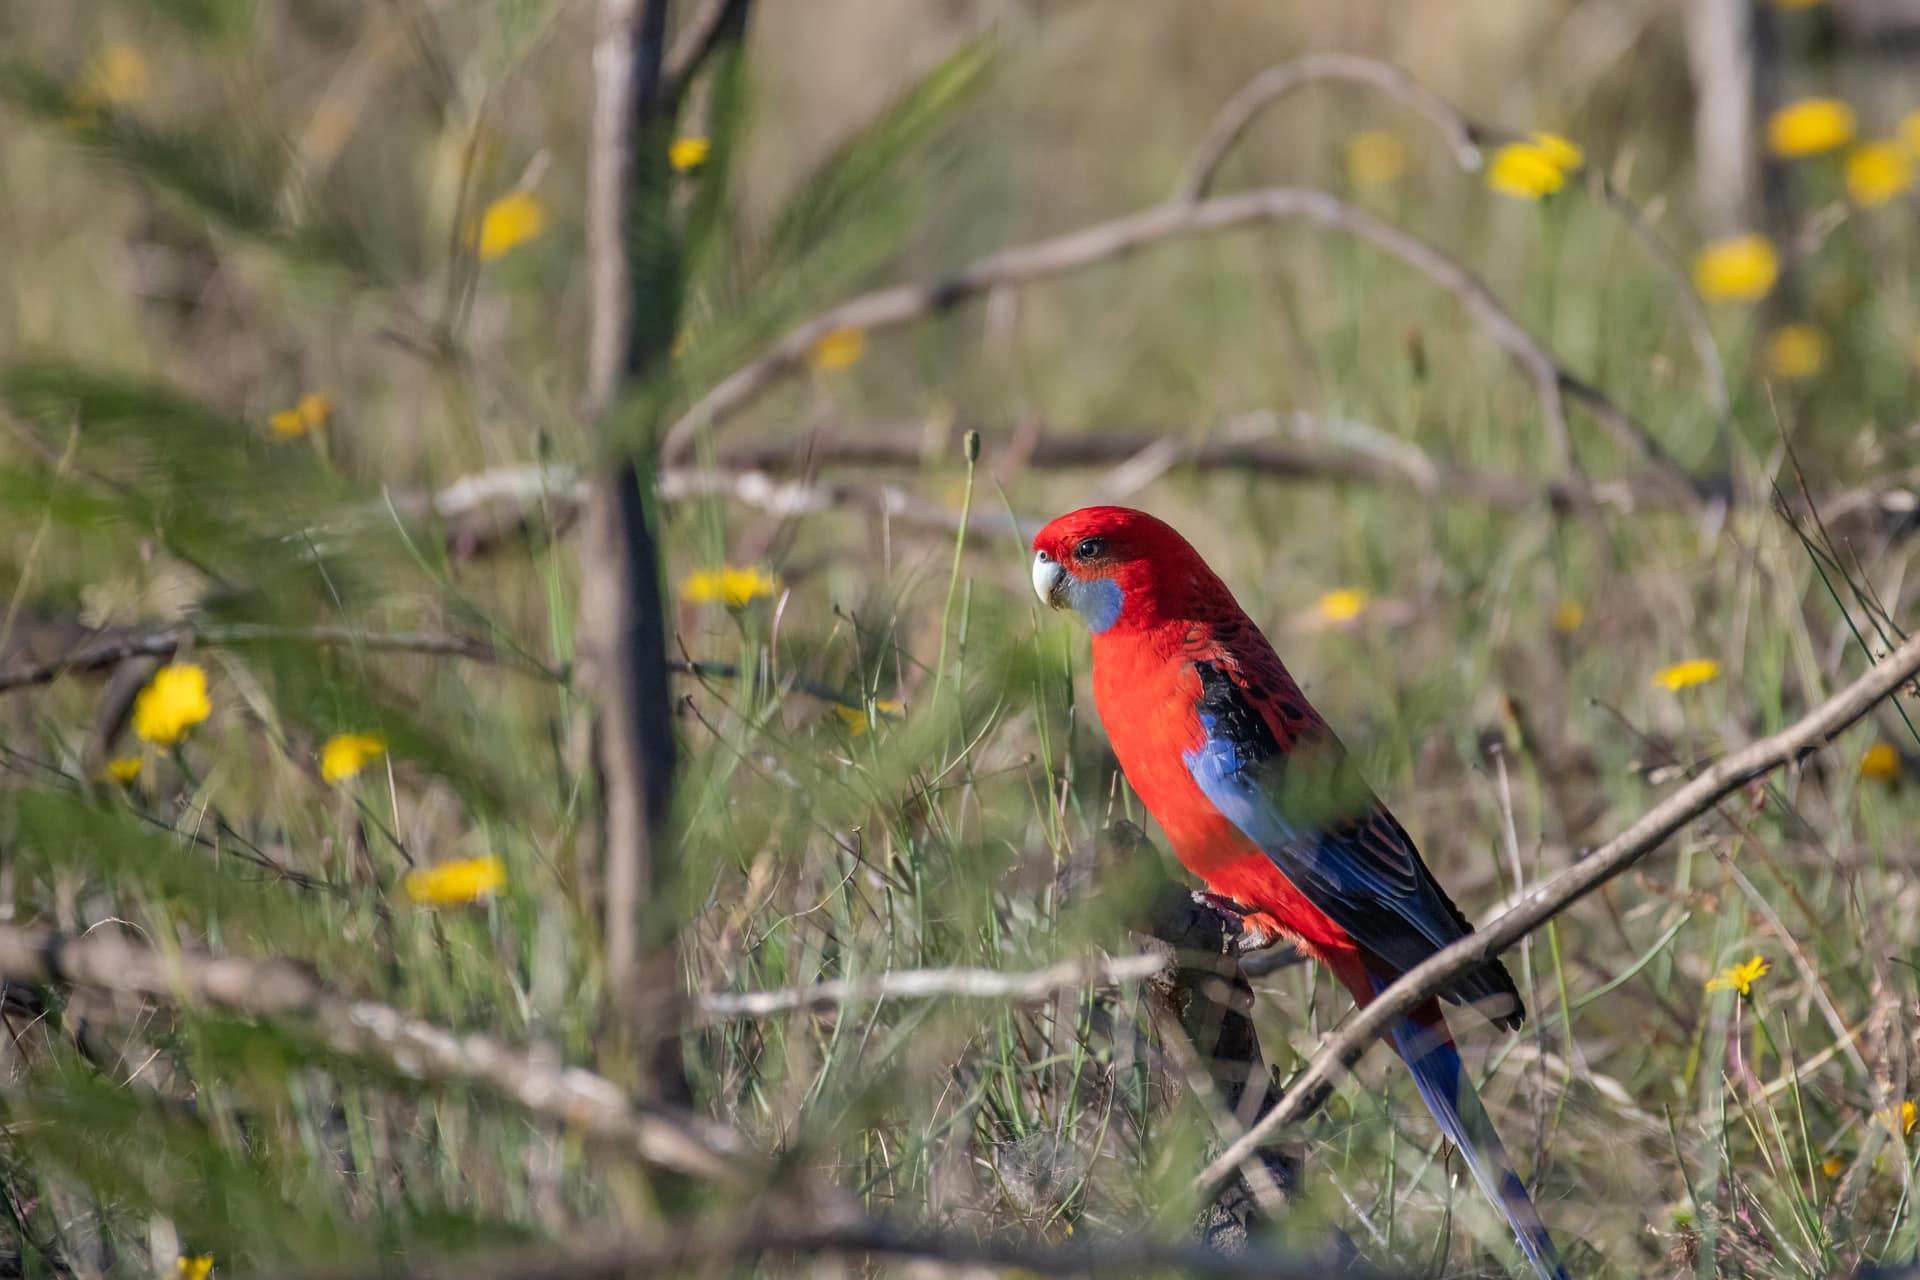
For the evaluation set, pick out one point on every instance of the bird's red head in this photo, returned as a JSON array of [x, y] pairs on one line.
[[1120, 568]]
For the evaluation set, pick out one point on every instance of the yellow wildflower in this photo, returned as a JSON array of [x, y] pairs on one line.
[[732, 586], [124, 770], [1569, 616], [686, 154], [344, 755], [838, 350], [1685, 675], [1795, 351], [1832, 1165], [199, 1268], [508, 223], [311, 413], [1881, 763], [1737, 269], [452, 884], [116, 76], [1740, 977], [1375, 158], [1343, 605], [857, 720], [1534, 168], [1909, 1116], [173, 702], [1809, 127], [1877, 172]]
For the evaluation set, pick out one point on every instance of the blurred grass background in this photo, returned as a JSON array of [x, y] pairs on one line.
[[216, 208]]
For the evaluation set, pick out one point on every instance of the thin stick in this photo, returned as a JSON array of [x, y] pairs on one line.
[[1276, 82], [101, 653], [1311, 1089], [1108, 241], [380, 1034], [906, 984]]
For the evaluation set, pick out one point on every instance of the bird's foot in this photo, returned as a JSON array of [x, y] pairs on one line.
[[1246, 928]]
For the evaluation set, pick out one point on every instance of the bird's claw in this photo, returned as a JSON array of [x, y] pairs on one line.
[[1242, 936]]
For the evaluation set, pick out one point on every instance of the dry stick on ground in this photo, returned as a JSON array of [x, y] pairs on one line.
[[100, 652], [906, 984], [938, 1253], [584, 1102], [1108, 241], [1312, 1087]]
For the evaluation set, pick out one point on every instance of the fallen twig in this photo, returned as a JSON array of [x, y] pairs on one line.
[[901, 984], [1341, 1050], [99, 653], [582, 1101]]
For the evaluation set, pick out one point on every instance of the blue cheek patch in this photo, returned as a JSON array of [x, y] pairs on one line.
[[1098, 600]]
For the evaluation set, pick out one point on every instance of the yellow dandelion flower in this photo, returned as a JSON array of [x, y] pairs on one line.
[[1795, 351], [124, 770], [686, 154], [1375, 158], [1881, 763], [1832, 1165], [173, 702], [313, 412], [1737, 269], [732, 586], [1909, 1116], [857, 720], [1342, 605], [1685, 675], [452, 884], [1525, 172], [116, 76], [1809, 127], [508, 223], [1876, 172], [1564, 152], [1569, 616], [1740, 977], [838, 350], [199, 1268], [344, 755]]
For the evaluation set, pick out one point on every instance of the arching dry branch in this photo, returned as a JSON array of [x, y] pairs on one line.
[[1109, 241]]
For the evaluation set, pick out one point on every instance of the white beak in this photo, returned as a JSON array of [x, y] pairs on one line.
[[1047, 576]]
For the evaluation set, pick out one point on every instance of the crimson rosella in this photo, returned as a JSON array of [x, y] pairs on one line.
[[1259, 800]]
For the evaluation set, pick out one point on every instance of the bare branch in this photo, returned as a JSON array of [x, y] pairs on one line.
[[860, 1239], [1109, 241], [99, 652], [705, 30], [1276, 82], [1341, 1050], [378, 1034], [908, 984]]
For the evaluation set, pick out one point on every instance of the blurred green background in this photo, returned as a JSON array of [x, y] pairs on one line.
[[277, 271]]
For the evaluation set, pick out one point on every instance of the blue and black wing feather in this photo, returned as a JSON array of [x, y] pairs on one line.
[[1326, 831]]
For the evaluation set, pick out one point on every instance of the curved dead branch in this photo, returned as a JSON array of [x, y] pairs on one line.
[[1109, 241], [1310, 1090], [1461, 135]]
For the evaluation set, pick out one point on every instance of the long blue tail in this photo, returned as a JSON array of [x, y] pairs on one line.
[[1435, 1063]]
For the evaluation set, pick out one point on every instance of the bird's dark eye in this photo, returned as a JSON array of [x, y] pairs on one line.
[[1090, 548]]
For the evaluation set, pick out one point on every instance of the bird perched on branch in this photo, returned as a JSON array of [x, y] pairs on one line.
[[1260, 800]]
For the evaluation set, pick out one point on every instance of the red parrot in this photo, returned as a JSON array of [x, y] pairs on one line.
[[1259, 800]]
